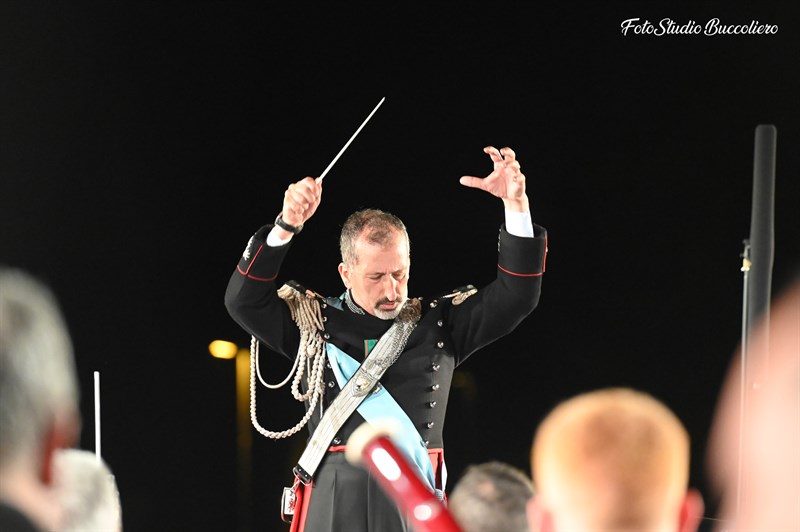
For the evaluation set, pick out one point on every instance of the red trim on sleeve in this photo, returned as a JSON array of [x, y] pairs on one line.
[[520, 274], [247, 271], [544, 260], [253, 277], [544, 265]]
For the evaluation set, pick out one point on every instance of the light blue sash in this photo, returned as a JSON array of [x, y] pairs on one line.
[[381, 404]]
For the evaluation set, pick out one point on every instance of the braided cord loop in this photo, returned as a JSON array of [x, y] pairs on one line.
[[310, 359]]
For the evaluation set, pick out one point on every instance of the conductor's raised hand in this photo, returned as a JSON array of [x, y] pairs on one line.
[[300, 201], [506, 181]]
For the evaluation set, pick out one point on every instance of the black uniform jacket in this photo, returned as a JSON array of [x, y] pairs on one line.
[[448, 332]]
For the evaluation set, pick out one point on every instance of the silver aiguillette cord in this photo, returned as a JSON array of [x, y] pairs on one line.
[[322, 176]]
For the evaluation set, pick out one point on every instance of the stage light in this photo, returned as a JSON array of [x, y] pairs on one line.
[[223, 349]]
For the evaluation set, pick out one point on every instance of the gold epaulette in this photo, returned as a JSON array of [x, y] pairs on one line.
[[304, 305]]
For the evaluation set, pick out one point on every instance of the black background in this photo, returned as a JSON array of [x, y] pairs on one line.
[[142, 143]]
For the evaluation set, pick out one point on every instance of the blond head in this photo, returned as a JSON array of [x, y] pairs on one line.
[[613, 459]]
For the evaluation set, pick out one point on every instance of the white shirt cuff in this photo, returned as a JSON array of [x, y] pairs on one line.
[[519, 223], [274, 241]]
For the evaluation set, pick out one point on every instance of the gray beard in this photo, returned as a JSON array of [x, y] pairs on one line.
[[388, 315], [381, 314]]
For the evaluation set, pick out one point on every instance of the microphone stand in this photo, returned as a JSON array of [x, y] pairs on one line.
[[757, 263]]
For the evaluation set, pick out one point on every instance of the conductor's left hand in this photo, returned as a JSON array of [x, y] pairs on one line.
[[506, 181]]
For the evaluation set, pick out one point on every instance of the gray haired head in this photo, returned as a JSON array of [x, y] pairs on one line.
[[38, 381], [491, 497], [375, 225]]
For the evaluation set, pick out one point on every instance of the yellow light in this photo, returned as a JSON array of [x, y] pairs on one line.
[[222, 349]]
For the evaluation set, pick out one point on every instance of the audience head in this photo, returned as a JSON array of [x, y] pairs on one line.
[[754, 452], [612, 459], [88, 491], [491, 497], [38, 395]]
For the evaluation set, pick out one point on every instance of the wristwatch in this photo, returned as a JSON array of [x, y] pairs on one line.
[[283, 225]]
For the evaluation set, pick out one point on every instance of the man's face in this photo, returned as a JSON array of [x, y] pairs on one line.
[[379, 279]]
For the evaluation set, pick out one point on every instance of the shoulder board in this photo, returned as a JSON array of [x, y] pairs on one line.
[[458, 295], [333, 302], [305, 291]]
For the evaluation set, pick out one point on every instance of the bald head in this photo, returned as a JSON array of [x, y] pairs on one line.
[[611, 459]]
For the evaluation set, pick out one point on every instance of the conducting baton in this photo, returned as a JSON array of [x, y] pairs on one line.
[[322, 176]]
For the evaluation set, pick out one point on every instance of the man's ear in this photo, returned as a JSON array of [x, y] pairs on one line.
[[539, 518], [63, 433], [344, 273], [691, 512]]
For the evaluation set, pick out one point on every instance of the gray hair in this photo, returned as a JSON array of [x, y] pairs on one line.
[[491, 497], [37, 369], [376, 225]]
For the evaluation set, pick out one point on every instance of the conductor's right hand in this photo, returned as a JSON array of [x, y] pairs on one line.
[[300, 201]]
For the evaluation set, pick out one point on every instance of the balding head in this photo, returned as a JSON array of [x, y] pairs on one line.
[[611, 459]]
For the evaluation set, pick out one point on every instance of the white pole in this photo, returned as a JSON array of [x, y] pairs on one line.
[[97, 414]]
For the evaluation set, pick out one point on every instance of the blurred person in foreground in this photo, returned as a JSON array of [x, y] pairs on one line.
[[89, 493], [491, 497], [759, 486], [38, 401], [612, 459]]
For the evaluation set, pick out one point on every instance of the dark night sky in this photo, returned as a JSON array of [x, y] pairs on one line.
[[142, 143]]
